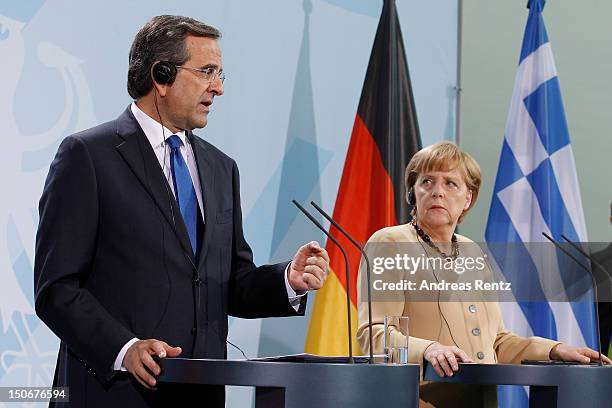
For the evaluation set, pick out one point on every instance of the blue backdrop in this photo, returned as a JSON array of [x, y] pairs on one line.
[[295, 70]]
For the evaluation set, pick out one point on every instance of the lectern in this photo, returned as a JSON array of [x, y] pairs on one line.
[[550, 385], [304, 385]]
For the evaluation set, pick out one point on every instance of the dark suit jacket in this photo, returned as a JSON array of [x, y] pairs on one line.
[[113, 262]]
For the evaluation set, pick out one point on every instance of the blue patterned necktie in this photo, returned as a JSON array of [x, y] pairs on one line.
[[183, 189]]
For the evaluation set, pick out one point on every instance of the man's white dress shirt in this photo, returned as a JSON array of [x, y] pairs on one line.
[[157, 137]]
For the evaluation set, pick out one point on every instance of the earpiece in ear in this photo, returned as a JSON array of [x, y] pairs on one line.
[[164, 72], [410, 198], [469, 197]]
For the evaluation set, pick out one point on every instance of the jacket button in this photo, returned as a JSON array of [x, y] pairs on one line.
[[197, 282], [193, 331], [472, 308], [476, 331], [480, 355]]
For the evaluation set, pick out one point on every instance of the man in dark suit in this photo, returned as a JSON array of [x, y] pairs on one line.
[[140, 250]]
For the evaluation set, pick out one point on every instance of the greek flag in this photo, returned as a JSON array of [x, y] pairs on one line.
[[536, 190]]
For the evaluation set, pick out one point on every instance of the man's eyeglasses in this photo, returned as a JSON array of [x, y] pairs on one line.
[[207, 74]]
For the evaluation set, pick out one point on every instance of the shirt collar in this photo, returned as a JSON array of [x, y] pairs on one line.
[[153, 129]]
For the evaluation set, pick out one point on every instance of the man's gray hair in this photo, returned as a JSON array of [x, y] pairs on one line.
[[161, 39]]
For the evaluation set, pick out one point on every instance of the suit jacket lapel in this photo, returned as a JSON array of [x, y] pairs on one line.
[[137, 152], [206, 171]]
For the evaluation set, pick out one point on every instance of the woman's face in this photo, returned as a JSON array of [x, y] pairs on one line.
[[441, 197]]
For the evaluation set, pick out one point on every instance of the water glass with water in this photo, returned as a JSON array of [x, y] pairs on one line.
[[396, 339]]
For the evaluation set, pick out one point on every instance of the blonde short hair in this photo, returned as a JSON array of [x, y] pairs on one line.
[[445, 156]]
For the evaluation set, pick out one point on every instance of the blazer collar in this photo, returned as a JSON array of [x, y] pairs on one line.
[[137, 152], [206, 171]]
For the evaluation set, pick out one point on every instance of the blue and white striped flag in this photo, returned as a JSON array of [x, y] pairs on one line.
[[536, 191]]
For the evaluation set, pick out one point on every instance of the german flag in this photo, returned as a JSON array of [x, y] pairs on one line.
[[371, 193]]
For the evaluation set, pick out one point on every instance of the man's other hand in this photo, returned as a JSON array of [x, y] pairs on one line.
[[309, 268], [138, 360]]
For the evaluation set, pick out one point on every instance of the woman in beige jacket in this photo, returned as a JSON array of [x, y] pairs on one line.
[[443, 183]]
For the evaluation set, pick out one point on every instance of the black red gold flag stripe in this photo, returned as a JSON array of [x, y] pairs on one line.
[[371, 194]]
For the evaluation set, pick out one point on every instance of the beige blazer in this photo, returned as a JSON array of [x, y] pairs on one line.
[[477, 327]]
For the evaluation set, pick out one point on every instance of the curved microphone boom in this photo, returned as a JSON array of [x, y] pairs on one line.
[[347, 272], [594, 284], [365, 256], [588, 256]]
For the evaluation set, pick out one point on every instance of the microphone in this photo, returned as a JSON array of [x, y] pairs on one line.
[[346, 234], [347, 272], [588, 256], [594, 285]]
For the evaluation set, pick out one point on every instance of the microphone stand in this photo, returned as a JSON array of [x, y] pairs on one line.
[[593, 261], [347, 272], [346, 234], [557, 245]]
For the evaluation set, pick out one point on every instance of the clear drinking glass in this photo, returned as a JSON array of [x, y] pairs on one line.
[[396, 339]]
